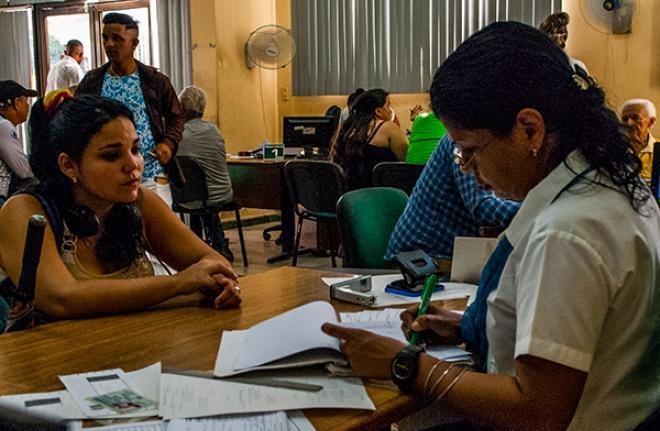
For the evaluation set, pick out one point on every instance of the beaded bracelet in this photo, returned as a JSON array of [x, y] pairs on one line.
[[442, 376], [428, 377], [451, 384]]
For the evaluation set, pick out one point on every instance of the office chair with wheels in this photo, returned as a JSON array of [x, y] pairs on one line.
[[195, 190], [400, 175], [366, 220], [315, 186]]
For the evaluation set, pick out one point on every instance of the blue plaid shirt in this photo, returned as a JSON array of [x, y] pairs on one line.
[[444, 204]]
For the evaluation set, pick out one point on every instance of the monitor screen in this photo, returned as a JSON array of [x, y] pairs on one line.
[[655, 172], [313, 134]]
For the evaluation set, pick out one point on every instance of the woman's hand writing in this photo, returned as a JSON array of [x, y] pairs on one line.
[[442, 326]]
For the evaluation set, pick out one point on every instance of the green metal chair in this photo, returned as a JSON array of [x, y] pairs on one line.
[[366, 220]]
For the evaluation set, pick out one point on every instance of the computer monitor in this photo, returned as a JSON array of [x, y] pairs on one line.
[[655, 172], [312, 134]]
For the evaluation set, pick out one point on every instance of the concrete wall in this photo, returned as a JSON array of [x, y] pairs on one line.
[[248, 104]]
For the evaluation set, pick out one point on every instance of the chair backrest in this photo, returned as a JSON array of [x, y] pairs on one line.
[[194, 188], [400, 175], [14, 420], [316, 185], [366, 220]]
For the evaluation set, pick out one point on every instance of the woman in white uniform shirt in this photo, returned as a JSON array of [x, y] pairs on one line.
[[567, 317]]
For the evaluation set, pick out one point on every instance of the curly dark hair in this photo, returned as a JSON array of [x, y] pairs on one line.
[[74, 123], [509, 66]]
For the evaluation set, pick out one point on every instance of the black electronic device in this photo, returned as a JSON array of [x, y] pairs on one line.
[[312, 134], [415, 266], [655, 172]]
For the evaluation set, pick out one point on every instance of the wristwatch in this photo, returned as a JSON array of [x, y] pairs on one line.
[[405, 366]]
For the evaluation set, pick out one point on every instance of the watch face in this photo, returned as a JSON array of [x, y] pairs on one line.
[[401, 371]]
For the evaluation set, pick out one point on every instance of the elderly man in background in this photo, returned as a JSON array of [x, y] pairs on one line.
[[67, 72], [638, 115], [203, 142]]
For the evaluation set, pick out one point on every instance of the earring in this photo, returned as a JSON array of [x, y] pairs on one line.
[[74, 180], [535, 152]]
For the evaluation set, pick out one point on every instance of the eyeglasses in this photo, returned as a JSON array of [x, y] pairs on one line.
[[463, 162]]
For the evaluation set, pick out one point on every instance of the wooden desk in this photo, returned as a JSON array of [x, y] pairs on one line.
[[179, 334], [259, 183]]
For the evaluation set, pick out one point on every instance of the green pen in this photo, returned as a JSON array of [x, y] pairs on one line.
[[429, 285]]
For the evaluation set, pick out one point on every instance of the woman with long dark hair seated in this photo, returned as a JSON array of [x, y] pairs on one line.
[[86, 153], [369, 136], [565, 327]]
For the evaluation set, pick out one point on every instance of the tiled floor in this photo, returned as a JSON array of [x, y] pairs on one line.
[[260, 250]]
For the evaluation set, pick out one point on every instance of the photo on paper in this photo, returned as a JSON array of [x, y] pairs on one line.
[[122, 401]]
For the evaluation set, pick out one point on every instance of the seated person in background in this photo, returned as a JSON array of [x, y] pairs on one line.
[[638, 116], [86, 153], [426, 131], [349, 103], [444, 204], [565, 327], [202, 141], [368, 137], [14, 166]]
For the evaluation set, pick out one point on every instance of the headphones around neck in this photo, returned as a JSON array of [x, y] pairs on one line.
[[81, 221]]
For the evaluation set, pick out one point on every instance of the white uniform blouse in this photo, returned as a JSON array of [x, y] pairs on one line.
[[582, 289]]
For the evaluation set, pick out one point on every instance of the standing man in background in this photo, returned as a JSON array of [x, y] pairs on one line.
[[148, 94], [556, 26], [14, 164], [67, 72], [638, 116]]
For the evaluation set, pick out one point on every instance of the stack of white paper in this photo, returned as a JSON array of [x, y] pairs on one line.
[[388, 324]]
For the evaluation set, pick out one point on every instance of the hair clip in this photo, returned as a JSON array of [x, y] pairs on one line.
[[53, 99], [582, 78]]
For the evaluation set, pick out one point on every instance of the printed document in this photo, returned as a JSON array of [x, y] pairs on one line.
[[276, 421], [193, 397], [114, 393], [291, 339]]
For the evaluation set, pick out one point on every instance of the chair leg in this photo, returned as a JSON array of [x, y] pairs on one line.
[[239, 225], [297, 245], [332, 244]]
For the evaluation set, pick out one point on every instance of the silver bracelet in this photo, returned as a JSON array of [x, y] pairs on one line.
[[428, 377], [451, 384], [442, 376]]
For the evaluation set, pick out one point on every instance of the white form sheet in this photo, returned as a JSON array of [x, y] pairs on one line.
[[144, 381], [297, 421], [384, 299], [132, 426], [192, 397], [292, 332], [391, 328], [57, 405], [276, 421]]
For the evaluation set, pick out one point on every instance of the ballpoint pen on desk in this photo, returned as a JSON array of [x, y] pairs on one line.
[[429, 284]]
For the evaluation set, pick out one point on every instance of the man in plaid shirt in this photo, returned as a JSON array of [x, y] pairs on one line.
[[444, 204]]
